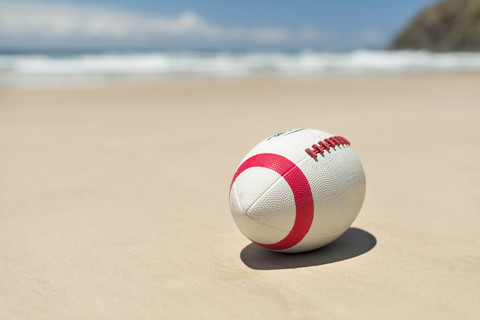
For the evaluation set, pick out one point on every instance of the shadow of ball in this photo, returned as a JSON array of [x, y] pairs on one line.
[[352, 243]]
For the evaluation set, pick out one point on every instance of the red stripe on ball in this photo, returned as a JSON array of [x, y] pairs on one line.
[[301, 193]]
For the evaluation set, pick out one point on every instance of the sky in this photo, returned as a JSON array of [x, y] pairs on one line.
[[206, 24]]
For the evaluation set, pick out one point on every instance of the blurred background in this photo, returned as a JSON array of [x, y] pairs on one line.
[[122, 123], [86, 41]]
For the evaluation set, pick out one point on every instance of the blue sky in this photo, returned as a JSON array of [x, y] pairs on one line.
[[323, 24]]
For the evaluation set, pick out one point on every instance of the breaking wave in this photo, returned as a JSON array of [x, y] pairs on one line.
[[80, 67]]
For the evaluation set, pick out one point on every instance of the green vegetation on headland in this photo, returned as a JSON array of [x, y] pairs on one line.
[[451, 25]]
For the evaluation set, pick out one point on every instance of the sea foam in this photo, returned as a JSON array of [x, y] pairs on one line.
[[44, 68]]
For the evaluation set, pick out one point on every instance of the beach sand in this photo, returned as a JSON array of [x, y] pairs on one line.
[[114, 201]]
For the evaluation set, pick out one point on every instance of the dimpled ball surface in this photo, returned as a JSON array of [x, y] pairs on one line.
[[286, 200]]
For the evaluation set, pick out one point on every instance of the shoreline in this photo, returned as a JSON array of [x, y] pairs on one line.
[[202, 80]]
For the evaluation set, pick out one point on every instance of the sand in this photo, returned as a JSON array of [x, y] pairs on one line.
[[114, 201]]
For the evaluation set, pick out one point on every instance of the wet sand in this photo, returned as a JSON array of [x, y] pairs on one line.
[[114, 201]]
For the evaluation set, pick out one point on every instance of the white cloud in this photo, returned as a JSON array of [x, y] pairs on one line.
[[42, 23], [371, 35], [57, 20], [67, 23]]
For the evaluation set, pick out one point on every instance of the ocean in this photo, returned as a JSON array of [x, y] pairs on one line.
[[57, 68]]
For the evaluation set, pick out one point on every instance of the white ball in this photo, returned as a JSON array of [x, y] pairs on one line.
[[297, 190]]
